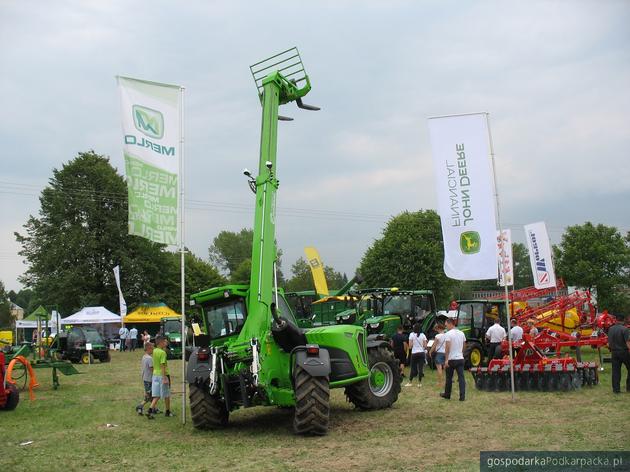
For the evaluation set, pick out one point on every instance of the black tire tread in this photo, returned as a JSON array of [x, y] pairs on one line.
[[207, 411], [312, 403]]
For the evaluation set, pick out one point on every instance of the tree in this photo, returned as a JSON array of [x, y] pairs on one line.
[[522, 268], [81, 234], [303, 280], [6, 320], [200, 275], [409, 255], [229, 249], [231, 252], [598, 257]]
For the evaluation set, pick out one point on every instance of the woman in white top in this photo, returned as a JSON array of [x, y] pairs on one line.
[[418, 345], [438, 350]]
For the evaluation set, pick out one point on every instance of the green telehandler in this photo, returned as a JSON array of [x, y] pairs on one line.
[[251, 351]]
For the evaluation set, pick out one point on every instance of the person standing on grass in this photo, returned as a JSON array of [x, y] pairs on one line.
[[438, 352], [495, 335], [400, 347], [123, 333], [619, 344], [418, 345], [133, 335], [455, 343], [161, 380], [147, 376]]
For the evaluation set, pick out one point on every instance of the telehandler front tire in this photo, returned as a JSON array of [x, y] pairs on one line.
[[312, 403], [381, 389], [207, 411]]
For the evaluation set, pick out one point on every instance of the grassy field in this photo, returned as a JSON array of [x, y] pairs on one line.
[[422, 431]]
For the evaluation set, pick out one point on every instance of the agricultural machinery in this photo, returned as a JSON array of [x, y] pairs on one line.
[[40, 355], [251, 351], [171, 328], [382, 310], [534, 369], [72, 345], [312, 309]]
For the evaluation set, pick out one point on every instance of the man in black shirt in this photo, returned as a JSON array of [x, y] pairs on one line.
[[400, 346], [619, 344]]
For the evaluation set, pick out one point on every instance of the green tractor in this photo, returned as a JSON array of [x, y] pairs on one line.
[[171, 328], [311, 310], [72, 345], [474, 317], [251, 351], [382, 310]]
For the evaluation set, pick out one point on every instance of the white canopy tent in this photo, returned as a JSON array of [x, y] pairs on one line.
[[99, 317], [92, 315]]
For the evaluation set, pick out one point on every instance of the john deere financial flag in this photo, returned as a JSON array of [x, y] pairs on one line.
[[465, 195], [540, 255], [151, 115]]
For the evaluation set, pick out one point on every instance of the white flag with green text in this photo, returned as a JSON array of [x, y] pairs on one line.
[[151, 119], [465, 188]]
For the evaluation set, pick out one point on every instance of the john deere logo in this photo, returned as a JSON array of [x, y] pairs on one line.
[[149, 122], [470, 242]]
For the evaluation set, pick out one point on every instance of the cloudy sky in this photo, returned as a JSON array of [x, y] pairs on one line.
[[554, 76]]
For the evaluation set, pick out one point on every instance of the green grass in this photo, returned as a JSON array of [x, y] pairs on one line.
[[421, 432]]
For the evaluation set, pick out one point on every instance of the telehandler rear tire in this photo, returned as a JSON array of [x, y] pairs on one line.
[[312, 403], [381, 389], [207, 411]]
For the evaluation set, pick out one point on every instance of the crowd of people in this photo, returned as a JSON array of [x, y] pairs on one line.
[[129, 338], [446, 353]]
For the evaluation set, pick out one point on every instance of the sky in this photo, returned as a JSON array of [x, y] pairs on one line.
[[554, 76]]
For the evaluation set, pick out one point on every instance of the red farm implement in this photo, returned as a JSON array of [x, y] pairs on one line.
[[535, 370]]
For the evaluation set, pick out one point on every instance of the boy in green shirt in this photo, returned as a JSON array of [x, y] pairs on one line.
[[161, 382]]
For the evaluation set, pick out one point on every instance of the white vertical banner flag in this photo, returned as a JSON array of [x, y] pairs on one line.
[[466, 204], [151, 119], [540, 255], [121, 299], [506, 261]]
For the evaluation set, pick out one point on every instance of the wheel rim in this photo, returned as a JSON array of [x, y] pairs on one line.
[[85, 359], [381, 379], [475, 357]]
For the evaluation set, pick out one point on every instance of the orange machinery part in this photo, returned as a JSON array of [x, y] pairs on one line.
[[31, 373]]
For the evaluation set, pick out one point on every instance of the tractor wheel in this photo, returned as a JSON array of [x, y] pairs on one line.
[[87, 358], [381, 389], [13, 397], [473, 356], [312, 403], [207, 411], [106, 358]]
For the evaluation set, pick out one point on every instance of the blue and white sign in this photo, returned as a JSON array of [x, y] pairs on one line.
[[540, 255]]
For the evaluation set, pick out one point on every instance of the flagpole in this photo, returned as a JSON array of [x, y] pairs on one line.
[[507, 296], [182, 248]]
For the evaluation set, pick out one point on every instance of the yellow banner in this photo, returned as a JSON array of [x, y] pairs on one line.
[[317, 269]]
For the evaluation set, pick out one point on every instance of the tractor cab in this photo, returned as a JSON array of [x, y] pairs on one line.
[[381, 310], [474, 317], [300, 303], [171, 328]]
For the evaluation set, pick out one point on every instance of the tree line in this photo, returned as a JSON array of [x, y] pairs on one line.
[[80, 234]]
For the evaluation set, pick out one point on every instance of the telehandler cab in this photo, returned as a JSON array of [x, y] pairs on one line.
[[251, 350]]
